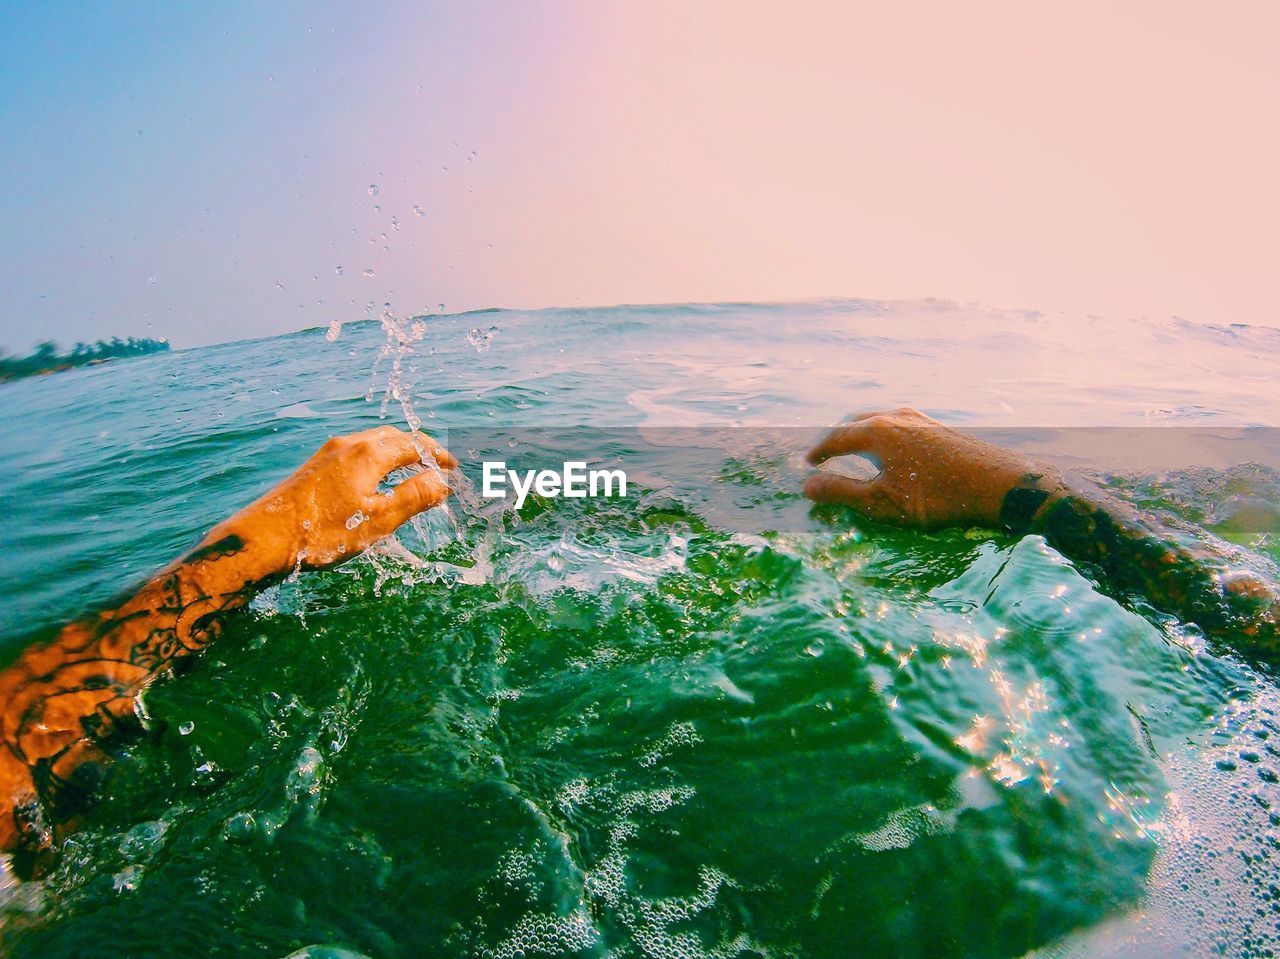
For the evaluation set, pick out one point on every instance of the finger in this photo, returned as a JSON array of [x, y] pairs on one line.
[[860, 437], [432, 449], [834, 488], [866, 496], [396, 449], [415, 495]]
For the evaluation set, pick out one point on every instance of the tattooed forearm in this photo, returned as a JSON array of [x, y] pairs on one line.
[[1136, 554], [63, 703], [67, 702], [227, 545]]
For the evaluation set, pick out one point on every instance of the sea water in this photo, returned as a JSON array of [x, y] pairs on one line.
[[704, 719]]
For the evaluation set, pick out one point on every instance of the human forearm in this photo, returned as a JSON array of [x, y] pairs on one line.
[[1138, 553], [932, 476], [63, 701], [66, 701]]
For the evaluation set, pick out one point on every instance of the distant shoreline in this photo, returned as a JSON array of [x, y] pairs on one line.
[[47, 358]]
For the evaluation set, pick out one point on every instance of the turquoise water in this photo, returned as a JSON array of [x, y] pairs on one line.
[[705, 720]]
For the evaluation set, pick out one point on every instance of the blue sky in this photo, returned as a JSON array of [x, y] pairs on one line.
[[187, 169]]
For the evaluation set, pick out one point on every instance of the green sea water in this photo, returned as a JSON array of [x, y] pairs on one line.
[[706, 719]]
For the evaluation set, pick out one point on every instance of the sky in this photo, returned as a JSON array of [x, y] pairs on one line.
[[208, 172]]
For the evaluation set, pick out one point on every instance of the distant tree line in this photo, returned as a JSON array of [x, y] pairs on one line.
[[46, 357]]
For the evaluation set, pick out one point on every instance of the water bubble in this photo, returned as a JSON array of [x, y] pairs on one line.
[[240, 828], [377, 208], [152, 281], [355, 519], [373, 189], [369, 272], [335, 328], [338, 270], [395, 223], [419, 211], [127, 879], [187, 728]]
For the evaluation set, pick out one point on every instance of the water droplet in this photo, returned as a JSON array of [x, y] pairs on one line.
[[338, 270], [355, 519], [913, 474], [152, 281], [419, 211], [279, 284], [480, 339], [187, 728], [369, 272], [373, 189]]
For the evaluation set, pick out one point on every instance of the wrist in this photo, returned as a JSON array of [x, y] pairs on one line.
[[237, 552], [1026, 498]]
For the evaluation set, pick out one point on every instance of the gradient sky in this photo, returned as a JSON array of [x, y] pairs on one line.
[[201, 172]]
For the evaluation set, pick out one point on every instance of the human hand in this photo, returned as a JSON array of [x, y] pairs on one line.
[[330, 509], [931, 476]]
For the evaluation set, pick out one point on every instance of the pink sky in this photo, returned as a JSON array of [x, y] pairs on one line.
[[203, 180], [1108, 158]]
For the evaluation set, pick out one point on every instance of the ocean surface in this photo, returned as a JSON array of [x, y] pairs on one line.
[[704, 720]]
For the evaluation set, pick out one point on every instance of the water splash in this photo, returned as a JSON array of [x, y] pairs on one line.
[[482, 339]]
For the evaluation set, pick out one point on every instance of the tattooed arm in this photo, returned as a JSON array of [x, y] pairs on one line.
[[65, 701], [932, 476]]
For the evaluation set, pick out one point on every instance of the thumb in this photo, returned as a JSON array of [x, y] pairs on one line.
[[414, 495]]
